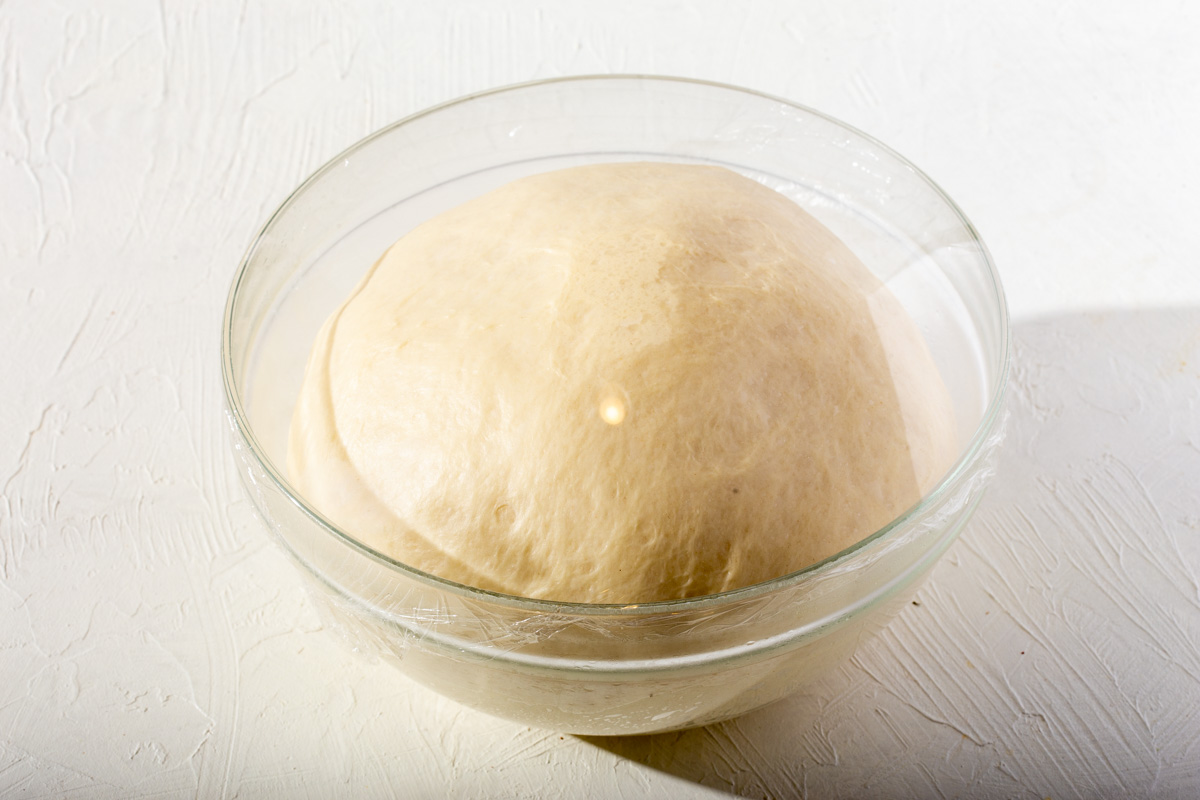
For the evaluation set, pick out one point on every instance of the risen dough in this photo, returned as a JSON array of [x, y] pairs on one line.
[[618, 384]]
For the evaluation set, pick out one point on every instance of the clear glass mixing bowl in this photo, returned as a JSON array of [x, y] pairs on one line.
[[601, 669]]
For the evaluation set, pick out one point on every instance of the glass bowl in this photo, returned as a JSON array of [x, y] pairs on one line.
[[604, 669]]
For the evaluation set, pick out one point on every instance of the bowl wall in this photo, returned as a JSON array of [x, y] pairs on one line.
[[603, 669]]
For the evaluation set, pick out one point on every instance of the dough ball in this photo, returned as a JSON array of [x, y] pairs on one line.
[[619, 383]]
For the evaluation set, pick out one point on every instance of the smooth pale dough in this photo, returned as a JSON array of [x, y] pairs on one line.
[[618, 384]]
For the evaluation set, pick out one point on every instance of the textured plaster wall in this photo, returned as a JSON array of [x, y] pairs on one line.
[[152, 641]]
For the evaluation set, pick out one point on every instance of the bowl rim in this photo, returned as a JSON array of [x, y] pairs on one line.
[[240, 422]]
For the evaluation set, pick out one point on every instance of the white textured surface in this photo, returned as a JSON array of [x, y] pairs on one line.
[[153, 643]]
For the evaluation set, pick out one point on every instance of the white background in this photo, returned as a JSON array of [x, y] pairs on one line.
[[154, 643]]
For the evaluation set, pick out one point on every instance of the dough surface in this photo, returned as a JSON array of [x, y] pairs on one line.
[[619, 383]]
